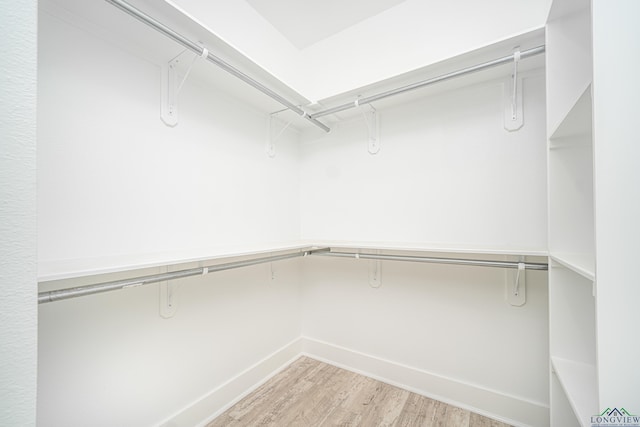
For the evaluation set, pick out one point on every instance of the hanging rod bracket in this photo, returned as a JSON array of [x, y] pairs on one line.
[[273, 134], [516, 285], [375, 273], [372, 121], [168, 293], [174, 75], [169, 93], [513, 101]]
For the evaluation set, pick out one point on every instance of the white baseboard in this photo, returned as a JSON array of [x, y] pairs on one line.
[[214, 403], [509, 409]]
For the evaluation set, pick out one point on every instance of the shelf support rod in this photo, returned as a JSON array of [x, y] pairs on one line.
[[490, 64], [200, 50], [438, 260], [80, 291]]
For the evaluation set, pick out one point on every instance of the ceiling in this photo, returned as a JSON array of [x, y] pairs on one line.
[[306, 22]]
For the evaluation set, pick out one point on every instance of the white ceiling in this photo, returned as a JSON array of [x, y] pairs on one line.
[[306, 22]]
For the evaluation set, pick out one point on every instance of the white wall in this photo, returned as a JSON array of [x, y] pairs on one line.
[[447, 172], [111, 360], [18, 280], [114, 180], [444, 331]]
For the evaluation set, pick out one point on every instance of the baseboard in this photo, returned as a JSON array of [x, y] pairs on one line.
[[214, 403], [509, 409], [500, 406]]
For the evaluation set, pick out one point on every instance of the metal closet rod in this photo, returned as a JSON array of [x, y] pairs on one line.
[[200, 50], [80, 291], [438, 260], [369, 99]]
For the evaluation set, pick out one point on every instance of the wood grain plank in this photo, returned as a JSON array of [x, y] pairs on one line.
[[385, 405], [320, 400], [477, 420], [273, 395], [312, 393], [455, 416], [417, 411], [352, 398]]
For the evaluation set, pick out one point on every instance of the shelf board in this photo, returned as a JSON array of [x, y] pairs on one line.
[[582, 264], [580, 383], [51, 270], [431, 247], [577, 121], [100, 18], [73, 268]]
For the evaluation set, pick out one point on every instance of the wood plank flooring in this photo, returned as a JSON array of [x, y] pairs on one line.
[[309, 393]]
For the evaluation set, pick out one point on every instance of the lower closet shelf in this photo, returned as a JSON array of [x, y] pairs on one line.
[[580, 383], [74, 268], [275, 254]]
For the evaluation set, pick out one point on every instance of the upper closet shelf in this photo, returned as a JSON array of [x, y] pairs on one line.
[[577, 121], [170, 30], [204, 53]]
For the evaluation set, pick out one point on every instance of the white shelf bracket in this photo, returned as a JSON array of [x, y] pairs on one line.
[[273, 134], [372, 121], [168, 292], [375, 273], [516, 285], [513, 103], [171, 84], [272, 272]]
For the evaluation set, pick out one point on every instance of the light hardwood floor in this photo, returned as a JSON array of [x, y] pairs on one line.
[[309, 393]]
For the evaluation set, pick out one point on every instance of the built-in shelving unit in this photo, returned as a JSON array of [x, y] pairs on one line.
[[572, 275], [571, 235], [573, 341]]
